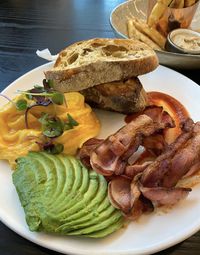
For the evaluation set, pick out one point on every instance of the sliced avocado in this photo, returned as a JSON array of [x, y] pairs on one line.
[[69, 202], [31, 176], [26, 176], [68, 184], [94, 195], [107, 231], [92, 219], [60, 174], [114, 217], [83, 215], [37, 160], [90, 194], [60, 195], [88, 207]]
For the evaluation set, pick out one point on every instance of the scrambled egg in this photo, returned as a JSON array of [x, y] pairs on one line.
[[16, 140]]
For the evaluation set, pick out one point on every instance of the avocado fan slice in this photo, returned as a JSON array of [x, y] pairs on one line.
[[91, 211], [61, 174], [112, 220], [32, 176], [108, 230], [47, 185], [66, 199], [66, 183], [90, 196], [46, 215], [36, 160], [91, 220], [84, 217], [72, 200]]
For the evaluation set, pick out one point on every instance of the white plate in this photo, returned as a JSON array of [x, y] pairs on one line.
[[150, 233], [138, 8]]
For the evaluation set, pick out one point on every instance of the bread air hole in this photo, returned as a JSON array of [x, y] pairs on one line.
[[114, 51], [86, 51], [72, 58], [97, 45]]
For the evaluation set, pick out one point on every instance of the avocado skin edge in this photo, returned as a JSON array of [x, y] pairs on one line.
[[67, 207]]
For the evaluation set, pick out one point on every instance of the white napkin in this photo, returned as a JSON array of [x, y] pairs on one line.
[[46, 54]]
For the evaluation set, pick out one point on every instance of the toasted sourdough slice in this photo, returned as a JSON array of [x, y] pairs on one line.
[[95, 61], [120, 96]]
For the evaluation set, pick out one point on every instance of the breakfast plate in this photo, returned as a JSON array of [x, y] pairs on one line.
[[151, 233], [138, 9]]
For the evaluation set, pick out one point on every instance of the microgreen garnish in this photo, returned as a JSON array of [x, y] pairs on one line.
[[71, 122], [42, 96], [53, 126], [43, 103], [55, 97], [21, 104]]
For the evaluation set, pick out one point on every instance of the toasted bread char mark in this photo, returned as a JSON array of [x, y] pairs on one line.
[[89, 63]]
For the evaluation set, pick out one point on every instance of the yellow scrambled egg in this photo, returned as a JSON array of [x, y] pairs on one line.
[[16, 140]]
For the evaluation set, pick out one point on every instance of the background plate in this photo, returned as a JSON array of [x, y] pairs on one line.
[[138, 8], [150, 233]]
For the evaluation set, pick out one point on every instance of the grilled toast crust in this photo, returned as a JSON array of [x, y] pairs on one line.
[[96, 61]]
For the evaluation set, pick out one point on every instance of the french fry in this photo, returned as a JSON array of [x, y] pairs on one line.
[[157, 11], [189, 3], [181, 4], [151, 32], [135, 34], [173, 4], [177, 4]]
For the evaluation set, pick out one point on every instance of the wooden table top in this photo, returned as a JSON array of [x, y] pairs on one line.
[[26, 26]]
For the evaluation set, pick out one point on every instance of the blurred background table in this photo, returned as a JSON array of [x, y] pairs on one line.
[[26, 26]]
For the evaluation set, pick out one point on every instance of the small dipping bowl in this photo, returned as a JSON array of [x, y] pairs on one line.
[[183, 41]]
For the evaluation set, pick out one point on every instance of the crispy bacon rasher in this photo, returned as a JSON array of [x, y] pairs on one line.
[[138, 187], [111, 156]]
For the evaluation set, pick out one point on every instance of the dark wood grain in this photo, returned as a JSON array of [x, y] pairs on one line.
[[26, 26]]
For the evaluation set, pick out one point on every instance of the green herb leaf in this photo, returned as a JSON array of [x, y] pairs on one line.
[[21, 105], [53, 130], [57, 98], [51, 126], [72, 121], [38, 87], [44, 118]]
